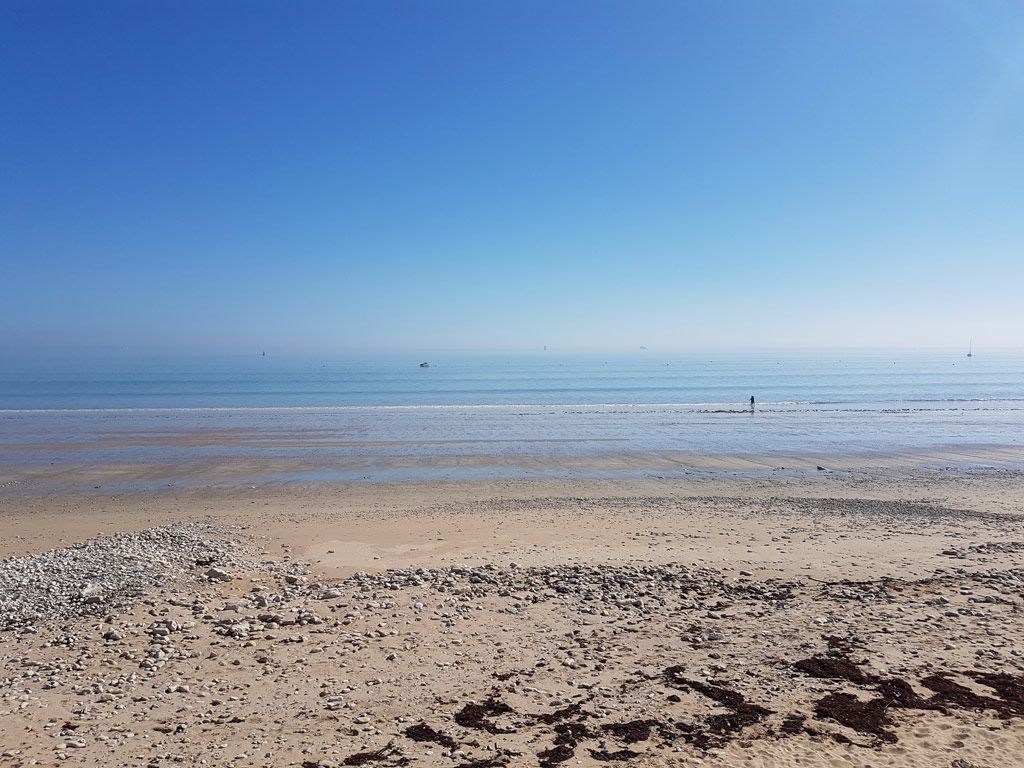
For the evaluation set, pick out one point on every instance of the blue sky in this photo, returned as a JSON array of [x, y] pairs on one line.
[[485, 175]]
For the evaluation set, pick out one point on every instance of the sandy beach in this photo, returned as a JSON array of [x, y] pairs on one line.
[[822, 619]]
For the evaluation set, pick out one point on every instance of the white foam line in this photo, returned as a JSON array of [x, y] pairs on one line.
[[425, 407], [491, 406]]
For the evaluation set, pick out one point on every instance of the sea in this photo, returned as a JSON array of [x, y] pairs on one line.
[[386, 417]]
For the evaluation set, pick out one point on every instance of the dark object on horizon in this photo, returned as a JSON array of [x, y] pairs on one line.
[[264, 353], [970, 348], [424, 365]]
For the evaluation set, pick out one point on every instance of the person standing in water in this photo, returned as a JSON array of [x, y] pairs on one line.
[[751, 403]]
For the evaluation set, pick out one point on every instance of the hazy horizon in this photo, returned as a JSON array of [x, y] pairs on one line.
[[425, 353], [478, 177]]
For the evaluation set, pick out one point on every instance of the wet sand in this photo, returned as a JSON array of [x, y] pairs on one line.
[[852, 617], [71, 474]]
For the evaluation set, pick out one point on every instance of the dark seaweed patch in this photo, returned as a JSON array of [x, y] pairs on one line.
[[567, 737], [476, 716], [870, 717], [832, 668], [674, 675], [867, 717], [571, 711], [423, 732], [716, 730], [723, 696], [843, 645], [384, 753], [571, 733], [631, 732], [557, 754], [721, 728], [898, 693], [1009, 687], [793, 724], [956, 695], [503, 676]]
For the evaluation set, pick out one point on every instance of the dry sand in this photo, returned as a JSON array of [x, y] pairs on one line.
[[832, 619]]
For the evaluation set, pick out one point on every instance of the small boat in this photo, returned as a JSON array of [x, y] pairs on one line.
[[424, 365], [970, 348]]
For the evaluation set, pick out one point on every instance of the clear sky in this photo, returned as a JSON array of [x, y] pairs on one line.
[[497, 175]]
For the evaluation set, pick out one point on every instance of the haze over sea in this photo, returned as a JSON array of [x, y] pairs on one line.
[[385, 417]]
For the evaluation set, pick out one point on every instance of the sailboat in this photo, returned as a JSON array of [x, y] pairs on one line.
[[970, 348]]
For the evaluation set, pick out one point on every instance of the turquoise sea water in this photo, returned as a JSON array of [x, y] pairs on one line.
[[388, 412], [813, 378]]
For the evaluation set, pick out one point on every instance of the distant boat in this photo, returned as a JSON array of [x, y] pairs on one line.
[[424, 365], [970, 348]]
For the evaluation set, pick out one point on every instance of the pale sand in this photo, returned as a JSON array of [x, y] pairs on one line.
[[378, 664]]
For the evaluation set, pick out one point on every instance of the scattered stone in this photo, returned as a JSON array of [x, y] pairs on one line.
[[217, 574]]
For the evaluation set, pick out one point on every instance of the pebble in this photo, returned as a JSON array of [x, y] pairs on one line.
[[218, 574], [116, 570]]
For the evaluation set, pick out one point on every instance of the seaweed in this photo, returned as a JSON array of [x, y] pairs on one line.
[[867, 717], [423, 732], [476, 716], [610, 757], [631, 732]]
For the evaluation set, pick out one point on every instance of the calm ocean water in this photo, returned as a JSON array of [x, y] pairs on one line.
[[838, 378], [387, 411]]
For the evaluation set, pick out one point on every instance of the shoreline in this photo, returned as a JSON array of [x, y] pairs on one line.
[[80, 451], [68, 474]]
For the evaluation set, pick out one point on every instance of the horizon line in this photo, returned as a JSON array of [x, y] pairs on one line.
[[288, 351]]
